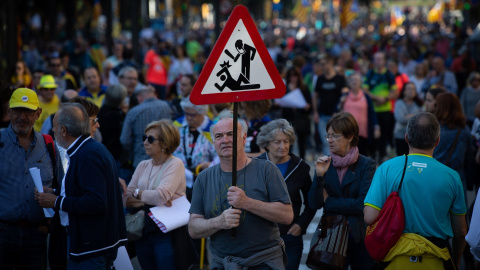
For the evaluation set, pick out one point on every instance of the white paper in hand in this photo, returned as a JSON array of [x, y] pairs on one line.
[[293, 99], [37, 179], [171, 218]]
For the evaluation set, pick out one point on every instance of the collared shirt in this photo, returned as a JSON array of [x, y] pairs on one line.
[[17, 202], [135, 123], [96, 98], [64, 215]]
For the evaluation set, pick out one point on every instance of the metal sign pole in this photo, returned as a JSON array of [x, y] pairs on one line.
[[234, 155]]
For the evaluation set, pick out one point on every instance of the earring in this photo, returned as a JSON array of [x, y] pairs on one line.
[[163, 150]]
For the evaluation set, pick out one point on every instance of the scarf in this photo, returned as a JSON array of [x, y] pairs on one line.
[[342, 163]]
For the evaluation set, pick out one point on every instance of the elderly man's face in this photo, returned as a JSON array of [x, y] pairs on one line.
[[223, 138], [22, 119], [129, 80], [194, 119], [57, 130], [92, 79]]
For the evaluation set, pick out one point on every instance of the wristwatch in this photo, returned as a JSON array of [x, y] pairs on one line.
[[135, 193]]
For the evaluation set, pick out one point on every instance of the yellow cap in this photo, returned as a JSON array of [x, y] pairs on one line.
[[24, 98], [47, 81]]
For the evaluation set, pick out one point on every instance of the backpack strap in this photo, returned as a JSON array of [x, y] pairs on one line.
[[403, 174], [51, 152]]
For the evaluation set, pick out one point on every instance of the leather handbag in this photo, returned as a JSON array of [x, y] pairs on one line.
[[135, 224], [387, 228], [329, 244]]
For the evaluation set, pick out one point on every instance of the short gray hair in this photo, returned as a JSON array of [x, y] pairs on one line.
[[124, 70], [269, 130], [115, 95], [423, 130], [74, 118], [227, 113], [187, 104]]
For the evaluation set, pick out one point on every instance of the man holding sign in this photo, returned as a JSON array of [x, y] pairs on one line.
[[253, 207]]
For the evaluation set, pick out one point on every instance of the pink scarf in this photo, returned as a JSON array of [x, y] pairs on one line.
[[342, 163]]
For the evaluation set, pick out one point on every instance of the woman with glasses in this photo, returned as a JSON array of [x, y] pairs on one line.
[[156, 181], [92, 111], [341, 182]]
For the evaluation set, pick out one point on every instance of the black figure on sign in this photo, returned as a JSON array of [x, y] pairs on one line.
[[247, 52], [231, 83]]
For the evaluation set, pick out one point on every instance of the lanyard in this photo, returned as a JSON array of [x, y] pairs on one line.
[[195, 134]]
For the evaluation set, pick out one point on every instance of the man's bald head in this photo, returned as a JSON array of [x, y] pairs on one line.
[[74, 118], [423, 131], [68, 95]]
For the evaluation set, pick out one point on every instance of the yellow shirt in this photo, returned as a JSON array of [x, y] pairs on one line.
[[47, 110]]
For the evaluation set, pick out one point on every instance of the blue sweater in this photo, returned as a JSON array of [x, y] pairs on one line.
[[93, 201]]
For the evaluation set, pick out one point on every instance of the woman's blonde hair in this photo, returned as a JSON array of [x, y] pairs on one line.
[[167, 133]]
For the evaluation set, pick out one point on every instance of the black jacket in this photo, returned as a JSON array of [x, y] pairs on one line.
[[297, 179], [93, 201]]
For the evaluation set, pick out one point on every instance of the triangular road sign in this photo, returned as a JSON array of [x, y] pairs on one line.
[[239, 67]]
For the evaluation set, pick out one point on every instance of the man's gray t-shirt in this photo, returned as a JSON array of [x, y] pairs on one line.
[[261, 180]]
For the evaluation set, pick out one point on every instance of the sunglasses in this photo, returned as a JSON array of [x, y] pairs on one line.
[[18, 111], [95, 120], [150, 139]]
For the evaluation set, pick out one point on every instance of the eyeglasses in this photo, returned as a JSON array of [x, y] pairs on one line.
[[94, 120], [55, 65], [191, 114], [332, 136], [20, 111], [48, 89], [150, 139]]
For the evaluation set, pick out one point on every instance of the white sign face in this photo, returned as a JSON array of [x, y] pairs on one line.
[[239, 67]]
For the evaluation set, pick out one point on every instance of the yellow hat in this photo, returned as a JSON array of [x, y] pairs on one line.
[[24, 98], [47, 81]]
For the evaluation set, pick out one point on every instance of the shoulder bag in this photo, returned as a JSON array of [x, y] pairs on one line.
[[330, 241], [387, 228]]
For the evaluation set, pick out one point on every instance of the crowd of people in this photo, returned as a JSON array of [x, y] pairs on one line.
[[127, 138]]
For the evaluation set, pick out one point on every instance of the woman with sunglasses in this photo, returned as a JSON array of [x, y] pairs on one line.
[[156, 181], [341, 182]]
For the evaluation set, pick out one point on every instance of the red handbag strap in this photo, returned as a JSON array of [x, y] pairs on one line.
[[403, 174]]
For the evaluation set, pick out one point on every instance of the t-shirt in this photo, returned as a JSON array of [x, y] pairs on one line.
[[380, 84], [261, 180], [357, 105], [429, 193], [329, 92], [283, 167], [156, 72], [47, 110]]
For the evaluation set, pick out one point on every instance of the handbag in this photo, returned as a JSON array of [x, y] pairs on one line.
[[135, 224], [329, 244], [387, 228]]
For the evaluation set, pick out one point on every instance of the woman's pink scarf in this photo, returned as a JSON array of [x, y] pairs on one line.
[[342, 163]]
